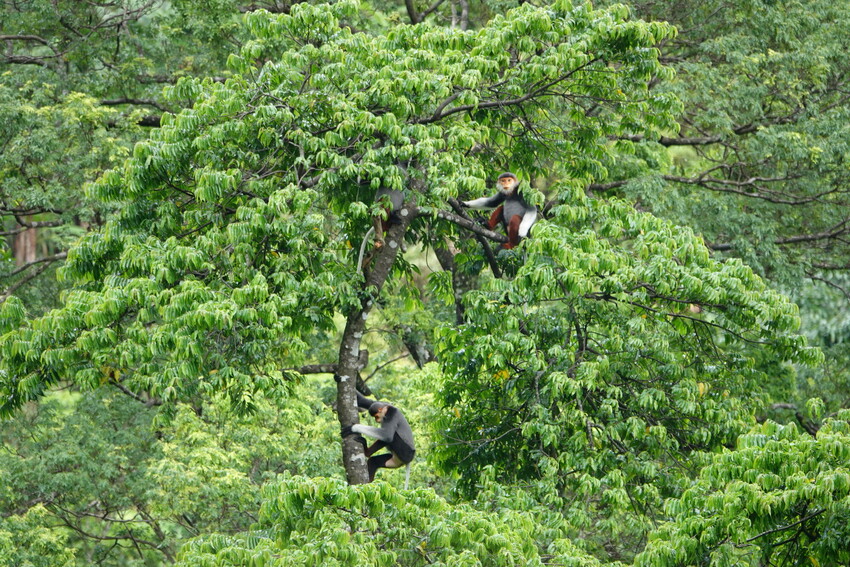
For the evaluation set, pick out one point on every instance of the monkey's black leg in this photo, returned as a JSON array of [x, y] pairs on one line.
[[375, 463], [374, 448]]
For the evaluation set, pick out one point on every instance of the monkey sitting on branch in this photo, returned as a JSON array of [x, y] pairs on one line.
[[515, 214]]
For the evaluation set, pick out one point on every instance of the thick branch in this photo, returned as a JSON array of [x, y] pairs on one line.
[[411, 12], [24, 60], [362, 361], [488, 252], [273, 7], [38, 224], [135, 101], [470, 224]]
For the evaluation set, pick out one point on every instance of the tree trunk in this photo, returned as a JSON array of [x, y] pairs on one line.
[[461, 281], [25, 246], [354, 460]]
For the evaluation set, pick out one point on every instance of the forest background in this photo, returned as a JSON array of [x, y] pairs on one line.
[[658, 376]]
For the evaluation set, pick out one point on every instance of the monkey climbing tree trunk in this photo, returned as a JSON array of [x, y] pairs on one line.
[[354, 460]]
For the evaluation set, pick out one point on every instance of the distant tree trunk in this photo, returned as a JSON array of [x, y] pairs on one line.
[[24, 248]]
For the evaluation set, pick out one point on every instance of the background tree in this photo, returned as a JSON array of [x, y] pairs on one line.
[[758, 165], [781, 498], [78, 83], [758, 159], [117, 486]]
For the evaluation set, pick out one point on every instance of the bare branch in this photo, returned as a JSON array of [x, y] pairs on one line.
[[27, 211], [536, 91], [381, 366], [45, 263], [783, 528], [59, 256], [362, 361], [13, 232], [136, 101], [126, 536], [472, 225]]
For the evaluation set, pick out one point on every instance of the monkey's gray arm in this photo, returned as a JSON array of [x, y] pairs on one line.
[[384, 434], [363, 402], [485, 202]]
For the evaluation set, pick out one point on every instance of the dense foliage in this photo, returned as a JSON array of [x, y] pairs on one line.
[[758, 166], [609, 393]]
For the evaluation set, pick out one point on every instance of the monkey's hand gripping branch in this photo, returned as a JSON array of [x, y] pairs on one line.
[[346, 430]]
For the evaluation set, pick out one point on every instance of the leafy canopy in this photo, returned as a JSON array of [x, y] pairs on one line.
[[233, 241]]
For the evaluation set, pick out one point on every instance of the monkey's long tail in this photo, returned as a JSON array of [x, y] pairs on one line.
[[406, 476], [363, 249]]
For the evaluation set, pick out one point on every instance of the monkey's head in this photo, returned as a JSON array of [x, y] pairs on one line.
[[507, 183], [378, 410]]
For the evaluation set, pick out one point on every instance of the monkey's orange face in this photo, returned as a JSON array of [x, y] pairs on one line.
[[379, 415], [507, 185]]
